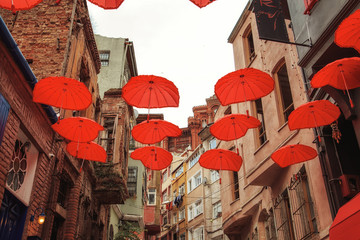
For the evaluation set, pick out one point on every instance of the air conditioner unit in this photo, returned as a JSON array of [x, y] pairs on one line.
[[350, 185]]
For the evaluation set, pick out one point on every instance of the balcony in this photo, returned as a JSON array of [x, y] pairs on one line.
[[110, 185]]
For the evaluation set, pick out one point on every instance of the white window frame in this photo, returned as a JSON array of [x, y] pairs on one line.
[[212, 143], [198, 233], [182, 189], [175, 217], [217, 209], [151, 192], [194, 181], [179, 171], [182, 214], [214, 175], [190, 212], [165, 196], [198, 207], [165, 175]]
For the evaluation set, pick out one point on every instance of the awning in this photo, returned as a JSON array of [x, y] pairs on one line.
[[346, 224]]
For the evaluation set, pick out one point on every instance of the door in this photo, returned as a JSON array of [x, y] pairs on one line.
[[12, 217]]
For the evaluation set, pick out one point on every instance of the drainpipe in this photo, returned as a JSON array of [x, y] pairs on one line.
[[127, 44], [23, 65]]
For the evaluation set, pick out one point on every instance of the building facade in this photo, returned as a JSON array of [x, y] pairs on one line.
[[262, 200]]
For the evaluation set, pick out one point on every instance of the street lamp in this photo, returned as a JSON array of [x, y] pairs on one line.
[[42, 215]]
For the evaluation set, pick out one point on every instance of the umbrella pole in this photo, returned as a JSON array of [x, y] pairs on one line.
[[149, 105], [347, 91]]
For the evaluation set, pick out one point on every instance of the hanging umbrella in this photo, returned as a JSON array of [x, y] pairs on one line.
[[77, 129], [87, 151], [292, 154], [152, 157], [313, 114], [233, 126], [346, 224], [107, 4], [62, 92], [243, 85], [220, 159], [149, 91], [154, 130], [348, 33], [342, 74], [16, 5], [202, 3]]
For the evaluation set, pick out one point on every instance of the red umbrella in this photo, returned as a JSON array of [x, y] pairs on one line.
[[107, 4], [342, 74], [348, 32], [202, 3], [77, 129], [152, 157], [313, 114], [233, 126], [87, 151], [149, 91], [243, 85], [220, 159], [16, 5], [62, 92], [154, 130], [346, 224], [292, 154]]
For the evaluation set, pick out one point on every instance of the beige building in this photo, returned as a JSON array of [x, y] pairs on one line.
[[262, 200]]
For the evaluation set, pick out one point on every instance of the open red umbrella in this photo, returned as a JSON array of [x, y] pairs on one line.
[[313, 114], [243, 85], [342, 74], [87, 151], [152, 157], [220, 159], [149, 91], [292, 154], [62, 92], [154, 130], [233, 126], [16, 5], [107, 4], [348, 33], [202, 3], [346, 224], [77, 129]]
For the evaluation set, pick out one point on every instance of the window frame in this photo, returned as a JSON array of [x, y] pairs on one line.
[[150, 192], [249, 45], [182, 214], [134, 182], [261, 136], [217, 208], [104, 60], [236, 186]]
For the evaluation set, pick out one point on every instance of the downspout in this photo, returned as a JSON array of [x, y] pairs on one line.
[[127, 43], [23, 65]]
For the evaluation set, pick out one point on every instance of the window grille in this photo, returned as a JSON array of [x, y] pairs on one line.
[[104, 58]]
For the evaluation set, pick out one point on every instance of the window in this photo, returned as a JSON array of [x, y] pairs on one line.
[[227, 111], [198, 234], [104, 58], [165, 220], [174, 218], [63, 193], [214, 175], [283, 217], [213, 143], [270, 230], [190, 212], [132, 180], [182, 214], [286, 100], [165, 196], [309, 4], [165, 174], [198, 208], [194, 159], [194, 181], [151, 196], [182, 189], [236, 185], [179, 171], [302, 206], [249, 45], [260, 117], [217, 210], [182, 236]]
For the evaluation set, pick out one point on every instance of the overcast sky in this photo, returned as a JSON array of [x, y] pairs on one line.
[[177, 40]]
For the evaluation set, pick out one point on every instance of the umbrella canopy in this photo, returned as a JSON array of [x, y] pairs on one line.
[[346, 224], [313, 114], [62, 92], [243, 85], [233, 126], [152, 157], [348, 32], [154, 130], [292, 154], [107, 4], [220, 159], [77, 129], [149, 91], [88, 151], [16, 5], [202, 3], [342, 74]]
